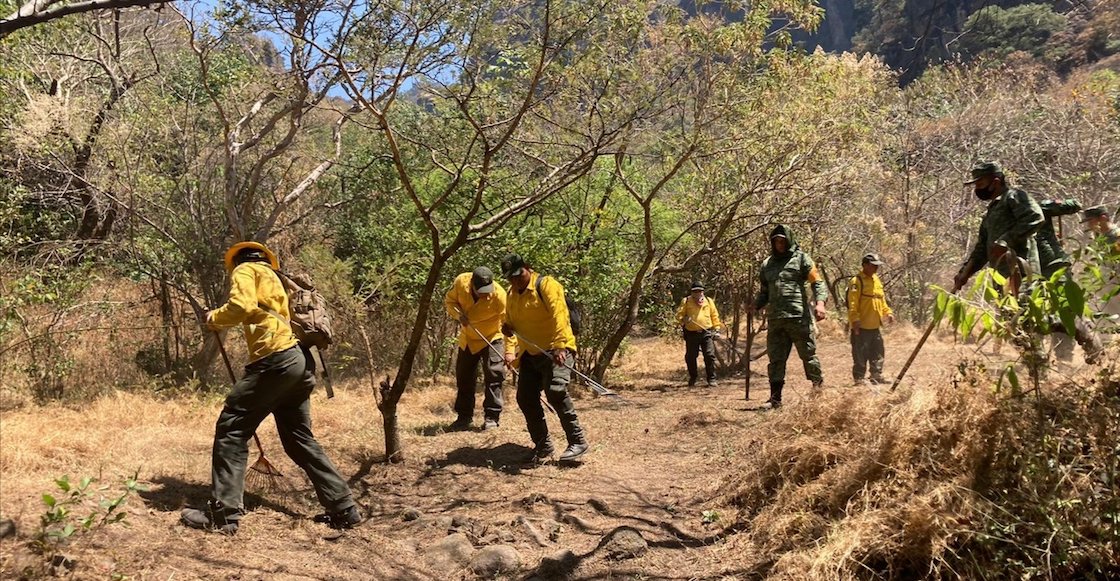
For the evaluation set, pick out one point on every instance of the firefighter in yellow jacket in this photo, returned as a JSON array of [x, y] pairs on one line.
[[537, 315], [479, 304], [700, 323], [867, 311], [278, 380]]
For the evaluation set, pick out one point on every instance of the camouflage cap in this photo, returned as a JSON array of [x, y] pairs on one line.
[[984, 169], [1094, 212]]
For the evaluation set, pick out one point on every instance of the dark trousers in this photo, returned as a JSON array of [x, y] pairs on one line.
[[868, 350], [493, 375], [279, 384], [539, 373], [696, 342]]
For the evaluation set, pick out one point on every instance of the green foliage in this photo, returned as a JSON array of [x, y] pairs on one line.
[[78, 509], [1002, 31]]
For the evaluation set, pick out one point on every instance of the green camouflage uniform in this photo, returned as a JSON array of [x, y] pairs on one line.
[[1051, 255], [789, 313], [1011, 220]]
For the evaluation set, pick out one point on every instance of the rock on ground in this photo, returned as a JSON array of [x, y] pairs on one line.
[[490, 561], [451, 553], [624, 543], [558, 565]]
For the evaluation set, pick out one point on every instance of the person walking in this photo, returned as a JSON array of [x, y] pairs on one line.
[[479, 305], [537, 316], [1106, 235], [278, 380], [1053, 257], [1098, 222], [867, 312], [790, 311], [1009, 224], [699, 321]]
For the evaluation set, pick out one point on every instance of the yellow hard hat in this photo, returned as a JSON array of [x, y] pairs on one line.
[[233, 250]]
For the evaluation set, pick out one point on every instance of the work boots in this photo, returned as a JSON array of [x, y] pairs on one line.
[[775, 400], [574, 451], [215, 517], [541, 453], [346, 518]]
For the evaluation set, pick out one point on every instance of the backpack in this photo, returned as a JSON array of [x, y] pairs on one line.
[[848, 289], [310, 322], [575, 311]]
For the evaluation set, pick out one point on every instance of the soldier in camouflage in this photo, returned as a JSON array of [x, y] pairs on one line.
[[1052, 257], [1107, 235], [1009, 224], [783, 277], [1097, 221]]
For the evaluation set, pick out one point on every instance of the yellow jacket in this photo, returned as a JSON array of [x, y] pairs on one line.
[[697, 317], [253, 285], [485, 315], [867, 305], [541, 320]]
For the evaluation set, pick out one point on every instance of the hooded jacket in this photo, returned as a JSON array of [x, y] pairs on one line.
[[783, 278]]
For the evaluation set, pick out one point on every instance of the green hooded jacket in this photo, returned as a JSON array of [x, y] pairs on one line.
[[783, 278], [1051, 255], [1012, 219]]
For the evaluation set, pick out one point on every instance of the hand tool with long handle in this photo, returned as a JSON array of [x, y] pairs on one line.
[[594, 385], [500, 356], [747, 352]]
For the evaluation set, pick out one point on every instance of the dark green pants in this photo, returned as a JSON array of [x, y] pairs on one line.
[[538, 372], [785, 334], [493, 375], [868, 350], [696, 342], [279, 384]]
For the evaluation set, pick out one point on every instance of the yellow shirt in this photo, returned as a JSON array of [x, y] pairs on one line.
[[867, 304], [485, 315], [697, 317], [252, 285], [541, 320]]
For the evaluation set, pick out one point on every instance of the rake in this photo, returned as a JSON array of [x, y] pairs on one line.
[[500, 356], [262, 474]]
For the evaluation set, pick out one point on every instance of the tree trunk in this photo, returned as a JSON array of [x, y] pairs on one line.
[[393, 451], [391, 395], [633, 302]]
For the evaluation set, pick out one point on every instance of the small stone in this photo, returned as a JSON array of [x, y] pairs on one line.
[[410, 514], [558, 565], [451, 553], [495, 559], [7, 528], [624, 543], [551, 528]]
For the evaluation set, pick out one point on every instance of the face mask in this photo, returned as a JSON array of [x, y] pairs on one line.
[[985, 194]]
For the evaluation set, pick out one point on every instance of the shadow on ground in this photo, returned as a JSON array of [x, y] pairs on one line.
[[170, 494]]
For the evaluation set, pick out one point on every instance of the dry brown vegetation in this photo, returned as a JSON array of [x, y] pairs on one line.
[[854, 484]]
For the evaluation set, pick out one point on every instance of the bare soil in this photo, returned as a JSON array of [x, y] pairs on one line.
[[656, 465]]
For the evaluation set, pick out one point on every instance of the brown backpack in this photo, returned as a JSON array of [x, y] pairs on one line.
[[310, 322]]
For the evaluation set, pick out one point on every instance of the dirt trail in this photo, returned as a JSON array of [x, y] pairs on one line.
[[655, 465]]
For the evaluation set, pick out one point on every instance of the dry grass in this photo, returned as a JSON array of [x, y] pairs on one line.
[[903, 486]]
